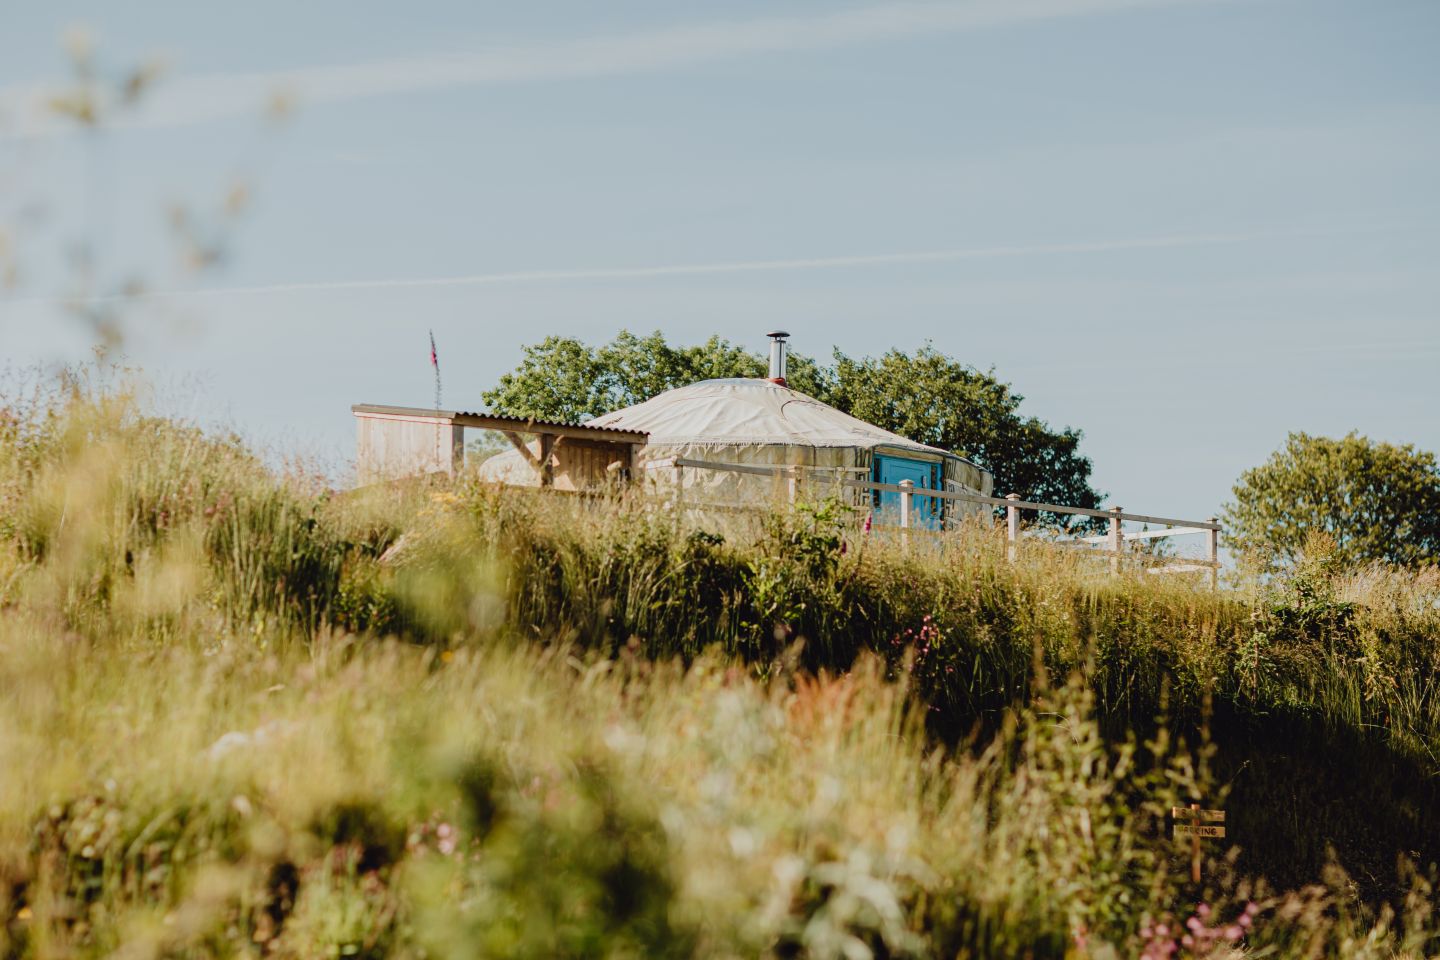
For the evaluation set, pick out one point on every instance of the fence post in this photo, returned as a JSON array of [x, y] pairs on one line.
[[1212, 544], [1012, 527], [906, 499], [1117, 539], [679, 490]]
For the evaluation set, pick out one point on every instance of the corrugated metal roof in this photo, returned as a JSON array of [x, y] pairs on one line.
[[522, 424]]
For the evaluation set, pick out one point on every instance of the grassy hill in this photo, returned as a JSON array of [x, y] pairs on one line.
[[244, 715]]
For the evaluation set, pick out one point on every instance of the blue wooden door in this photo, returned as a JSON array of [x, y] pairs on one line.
[[925, 511]]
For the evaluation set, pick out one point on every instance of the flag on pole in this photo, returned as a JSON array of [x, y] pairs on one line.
[[435, 362]]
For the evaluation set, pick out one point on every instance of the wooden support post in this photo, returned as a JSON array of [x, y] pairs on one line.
[[1195, 845], [536, 463], [1212, 545], [679, 490], [794, 484], [1012, 527], [1117, 539], [907, 498], [547, 459], [457, 449]]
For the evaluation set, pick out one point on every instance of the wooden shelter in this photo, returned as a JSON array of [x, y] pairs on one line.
[[404, 441]]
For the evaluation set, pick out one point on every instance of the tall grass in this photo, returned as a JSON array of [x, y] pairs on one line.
[[1326, 708], [367, 799], [601, 729]]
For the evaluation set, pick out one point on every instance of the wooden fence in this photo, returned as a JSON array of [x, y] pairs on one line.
[[1113, 540]]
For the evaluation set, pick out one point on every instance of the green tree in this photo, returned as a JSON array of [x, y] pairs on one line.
[[560, 379], [935, 399], [1376, 501], [925, 396], [563, 379]]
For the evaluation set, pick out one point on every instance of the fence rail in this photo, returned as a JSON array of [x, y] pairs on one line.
[[1114, 538]]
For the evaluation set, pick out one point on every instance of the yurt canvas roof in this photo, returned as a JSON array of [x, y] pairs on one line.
[[743, 411], [759, 423]]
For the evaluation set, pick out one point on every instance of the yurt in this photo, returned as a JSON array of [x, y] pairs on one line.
[[762, 422]]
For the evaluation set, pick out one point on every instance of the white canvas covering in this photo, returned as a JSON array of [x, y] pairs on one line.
[[756, 422]]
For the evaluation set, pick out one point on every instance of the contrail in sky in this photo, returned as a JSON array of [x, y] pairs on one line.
[[195, 99], [696, 269]]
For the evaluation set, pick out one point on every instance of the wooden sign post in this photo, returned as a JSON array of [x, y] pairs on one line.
[[1195, 829]]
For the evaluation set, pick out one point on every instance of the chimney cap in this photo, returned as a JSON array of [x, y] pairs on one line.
[[777, 334]]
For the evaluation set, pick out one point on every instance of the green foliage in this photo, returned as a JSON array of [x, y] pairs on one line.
[[276, 558], [967, 628], [574, 869], [1377, 502], [560, 379], [926, 396], [793, 572], [566, 380], [937, 400], [1308, 606], [524, 804]]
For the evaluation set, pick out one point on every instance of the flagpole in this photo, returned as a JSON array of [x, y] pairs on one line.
[[435, 363]]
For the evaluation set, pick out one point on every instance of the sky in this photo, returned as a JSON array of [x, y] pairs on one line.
[[1186, 227]]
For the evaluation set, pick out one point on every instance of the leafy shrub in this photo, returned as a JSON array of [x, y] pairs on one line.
[[569, 868]]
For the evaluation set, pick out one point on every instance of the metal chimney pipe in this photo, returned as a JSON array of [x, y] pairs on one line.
[[778, 350]]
